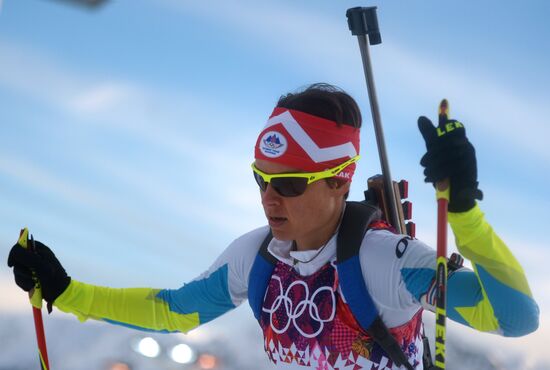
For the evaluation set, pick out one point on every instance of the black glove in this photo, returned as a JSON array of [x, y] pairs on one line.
[[450, 155], [52, 276]]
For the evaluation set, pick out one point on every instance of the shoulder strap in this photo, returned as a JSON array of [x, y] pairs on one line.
[[259, 276], [357, 217]]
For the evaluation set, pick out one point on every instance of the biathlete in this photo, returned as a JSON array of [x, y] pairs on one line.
[[305, 158]]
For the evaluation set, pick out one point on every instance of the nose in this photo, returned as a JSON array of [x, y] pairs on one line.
[[270, 197]]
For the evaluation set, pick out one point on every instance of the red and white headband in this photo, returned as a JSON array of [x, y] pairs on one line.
[[307, 142]]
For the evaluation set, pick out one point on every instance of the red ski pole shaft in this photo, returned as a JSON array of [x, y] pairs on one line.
[[41, 339], [442, 195], [35, 296]]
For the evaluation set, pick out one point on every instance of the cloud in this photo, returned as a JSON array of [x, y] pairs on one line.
[[178, 206], [13, 299], [101, 98], [182, 202], [134, 110], [87, 199], [293, 35], [497, 108], [28, 173], [37, 74]]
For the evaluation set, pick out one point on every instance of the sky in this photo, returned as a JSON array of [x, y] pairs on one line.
[[127, 132]]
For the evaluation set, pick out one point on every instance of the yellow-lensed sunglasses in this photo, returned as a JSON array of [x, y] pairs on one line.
[[295, 184]]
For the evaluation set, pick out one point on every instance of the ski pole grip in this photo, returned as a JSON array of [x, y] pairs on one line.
[[364, 21], [35, 295]]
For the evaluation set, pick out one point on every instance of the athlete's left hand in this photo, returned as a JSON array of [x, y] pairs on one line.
[[450, 155]]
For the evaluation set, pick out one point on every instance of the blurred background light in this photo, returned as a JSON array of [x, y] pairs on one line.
[[182, 354], [207, 361], [148, 347], [119, 366]]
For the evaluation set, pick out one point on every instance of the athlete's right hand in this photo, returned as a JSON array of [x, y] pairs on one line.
[[47, 268]]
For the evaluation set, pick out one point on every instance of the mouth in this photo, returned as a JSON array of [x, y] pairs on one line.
[[276, 221]]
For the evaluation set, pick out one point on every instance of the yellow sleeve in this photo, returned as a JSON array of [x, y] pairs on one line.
[[505, 303], [140, 308]]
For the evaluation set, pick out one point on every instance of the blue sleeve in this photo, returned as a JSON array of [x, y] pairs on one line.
[[493, 297]]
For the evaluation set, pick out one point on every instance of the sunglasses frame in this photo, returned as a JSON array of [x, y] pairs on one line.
[[310, 176]]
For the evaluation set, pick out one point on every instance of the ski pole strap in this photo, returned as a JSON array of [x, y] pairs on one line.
[[455, 262]]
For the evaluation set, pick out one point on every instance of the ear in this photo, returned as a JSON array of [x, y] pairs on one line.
[[343, 187], [338, 185]]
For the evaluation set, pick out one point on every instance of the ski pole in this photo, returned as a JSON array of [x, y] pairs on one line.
[[442, 194], [363, 21], [35, 296]]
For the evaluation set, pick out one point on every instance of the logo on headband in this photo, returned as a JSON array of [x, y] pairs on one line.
[[273, 144], [344, 175]]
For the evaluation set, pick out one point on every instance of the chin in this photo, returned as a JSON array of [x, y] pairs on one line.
[[281, 235]]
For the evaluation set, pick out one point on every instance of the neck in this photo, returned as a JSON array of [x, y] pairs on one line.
[[321, 235]]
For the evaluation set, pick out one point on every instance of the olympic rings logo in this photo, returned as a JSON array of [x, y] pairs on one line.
[[293, 313]]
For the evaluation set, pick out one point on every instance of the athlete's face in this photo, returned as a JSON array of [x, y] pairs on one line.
[[310, 218]]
